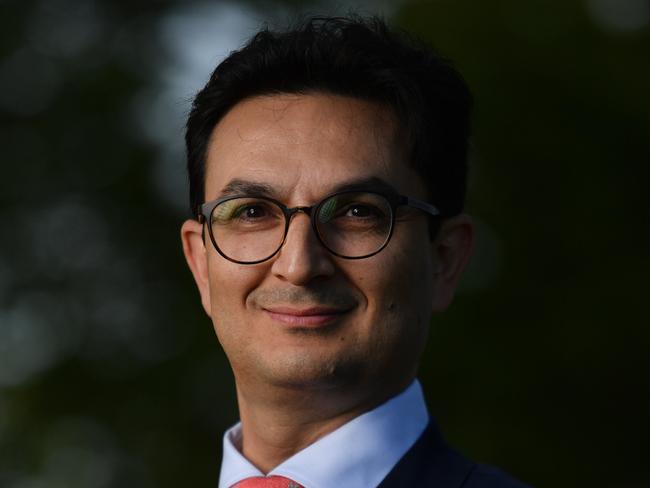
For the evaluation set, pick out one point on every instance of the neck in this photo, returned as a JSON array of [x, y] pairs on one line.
[[279, 422]]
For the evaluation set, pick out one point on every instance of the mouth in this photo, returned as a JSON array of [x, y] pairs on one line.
[[312, 317]]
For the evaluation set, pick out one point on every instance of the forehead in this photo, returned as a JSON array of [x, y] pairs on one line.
[[304, 146]]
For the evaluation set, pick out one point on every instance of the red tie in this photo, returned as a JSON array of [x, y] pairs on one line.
[[267, 482]]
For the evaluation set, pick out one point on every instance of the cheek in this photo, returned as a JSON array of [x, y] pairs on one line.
[[400, 282], [398, 290], [230, 284]]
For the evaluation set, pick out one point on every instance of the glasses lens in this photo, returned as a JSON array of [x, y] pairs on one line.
[[354, 224], [247, 229]]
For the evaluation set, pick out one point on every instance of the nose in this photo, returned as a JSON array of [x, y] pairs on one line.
[[302, 258]]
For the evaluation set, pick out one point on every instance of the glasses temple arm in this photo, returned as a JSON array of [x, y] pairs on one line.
[[420, 205]]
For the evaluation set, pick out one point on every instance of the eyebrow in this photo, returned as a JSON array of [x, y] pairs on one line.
[[372, 183], [240, 186]]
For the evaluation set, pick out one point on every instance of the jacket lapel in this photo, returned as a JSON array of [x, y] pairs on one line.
[[430, 462]]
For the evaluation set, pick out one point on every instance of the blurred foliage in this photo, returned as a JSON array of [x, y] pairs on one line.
[[110, 374]]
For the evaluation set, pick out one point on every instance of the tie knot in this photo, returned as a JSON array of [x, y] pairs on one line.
[[267, 482]]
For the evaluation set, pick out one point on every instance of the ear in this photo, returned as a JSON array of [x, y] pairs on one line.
[[197, 259], [451, 250]]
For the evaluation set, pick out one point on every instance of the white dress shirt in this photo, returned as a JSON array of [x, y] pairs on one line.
[[359, 454]]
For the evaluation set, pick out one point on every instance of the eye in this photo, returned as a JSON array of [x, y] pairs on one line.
[[251, 212], [245, 211], [361, 211], [359, 208]]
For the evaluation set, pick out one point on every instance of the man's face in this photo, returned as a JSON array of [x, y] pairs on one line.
[[306, 318]]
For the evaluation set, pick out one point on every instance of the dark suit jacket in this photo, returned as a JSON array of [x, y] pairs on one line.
[[431, 463]]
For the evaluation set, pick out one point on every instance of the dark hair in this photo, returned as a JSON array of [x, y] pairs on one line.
[[354, 57]]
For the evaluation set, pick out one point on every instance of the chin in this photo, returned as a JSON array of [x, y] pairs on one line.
[[306, 370]]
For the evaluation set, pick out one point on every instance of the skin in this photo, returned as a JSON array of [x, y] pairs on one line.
[[297, 382]]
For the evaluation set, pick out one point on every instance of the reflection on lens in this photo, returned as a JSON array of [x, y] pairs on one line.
[[327, 210], [354, 224], [223, 212], [247, 229]]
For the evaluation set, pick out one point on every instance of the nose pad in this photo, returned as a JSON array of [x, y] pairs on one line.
[[302, 257], [305, 210], [296, 211]]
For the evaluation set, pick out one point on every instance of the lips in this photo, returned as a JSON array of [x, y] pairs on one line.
[[312, 317]]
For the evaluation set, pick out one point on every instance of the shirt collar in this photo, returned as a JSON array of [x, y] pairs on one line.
[[360, 453]]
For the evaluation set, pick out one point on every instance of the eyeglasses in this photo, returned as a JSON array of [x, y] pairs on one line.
[[351, 224]]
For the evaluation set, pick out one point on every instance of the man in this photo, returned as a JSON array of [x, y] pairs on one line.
[[327, 174]]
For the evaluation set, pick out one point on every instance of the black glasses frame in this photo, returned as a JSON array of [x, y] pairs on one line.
[[394, 200]]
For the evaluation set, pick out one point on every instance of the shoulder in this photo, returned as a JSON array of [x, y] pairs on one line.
[[485, 476], [431, 462]]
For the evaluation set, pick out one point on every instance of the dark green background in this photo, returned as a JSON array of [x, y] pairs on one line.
[[110, 374]]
